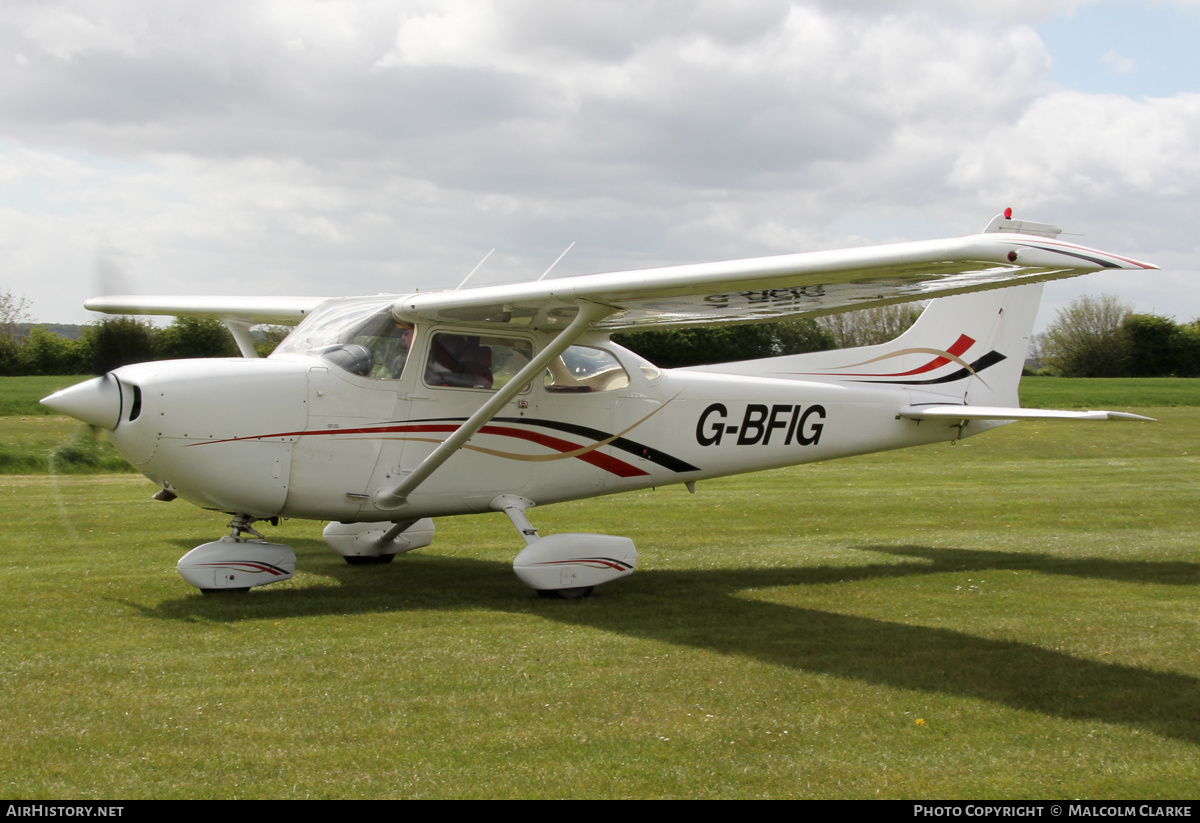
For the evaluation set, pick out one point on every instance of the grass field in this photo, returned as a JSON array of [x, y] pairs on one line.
[[1115, 393], [20, 395], [1012, 616], [34, 442]]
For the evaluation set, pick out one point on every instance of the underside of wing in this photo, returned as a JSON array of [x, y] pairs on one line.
[[769, 288], [287, 311]]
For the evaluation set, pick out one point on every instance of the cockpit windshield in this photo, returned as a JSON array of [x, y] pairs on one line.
[[360, 336]]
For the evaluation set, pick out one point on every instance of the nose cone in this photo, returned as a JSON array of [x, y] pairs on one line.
[[96, 402]]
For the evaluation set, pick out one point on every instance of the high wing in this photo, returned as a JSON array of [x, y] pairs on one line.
[[770, 288], [1008, 253], [286, 311], [237, 313]]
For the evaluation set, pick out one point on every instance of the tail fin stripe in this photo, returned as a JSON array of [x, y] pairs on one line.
[[941, 358], [990, 359]]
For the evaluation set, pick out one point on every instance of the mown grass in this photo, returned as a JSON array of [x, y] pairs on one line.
[[41, 444], [20, 395], [1114, 393], [34, 441], [1013, 616]]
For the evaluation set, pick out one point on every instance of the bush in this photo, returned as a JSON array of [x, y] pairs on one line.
[[45, 352], [194, 337], [1152, 346], [10, 363], [119, 341], [1086, 339]]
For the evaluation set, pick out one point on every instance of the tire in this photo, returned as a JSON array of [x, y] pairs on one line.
[[367, 560], [577, 593]]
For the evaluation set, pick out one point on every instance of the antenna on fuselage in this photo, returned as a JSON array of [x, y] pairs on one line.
[[560, 257], [477, 265]]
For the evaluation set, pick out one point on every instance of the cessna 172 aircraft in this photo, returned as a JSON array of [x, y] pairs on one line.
[[380, 413]]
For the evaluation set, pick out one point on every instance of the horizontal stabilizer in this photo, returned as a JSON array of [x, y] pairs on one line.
[[1008, 413]]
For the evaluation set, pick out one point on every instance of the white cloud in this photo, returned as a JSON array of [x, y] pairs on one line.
[[67, 34], [321, 147]]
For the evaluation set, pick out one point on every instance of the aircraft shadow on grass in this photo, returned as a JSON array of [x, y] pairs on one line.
[[700, 609]]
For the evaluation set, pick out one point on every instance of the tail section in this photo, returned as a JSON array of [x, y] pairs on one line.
[[966, 349]]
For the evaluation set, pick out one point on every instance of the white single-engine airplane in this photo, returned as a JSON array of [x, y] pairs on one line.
[[379, 413]]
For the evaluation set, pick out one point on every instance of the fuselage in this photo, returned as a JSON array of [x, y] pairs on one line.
[[310, 436]]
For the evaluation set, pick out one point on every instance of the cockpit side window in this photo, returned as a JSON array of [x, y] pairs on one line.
[[388, 342], [473, 361]]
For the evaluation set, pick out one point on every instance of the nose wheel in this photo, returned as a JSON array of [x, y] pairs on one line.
[[577, 593], [237, 563], [367, 560]]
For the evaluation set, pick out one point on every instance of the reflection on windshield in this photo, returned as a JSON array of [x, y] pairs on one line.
[[360, 336]]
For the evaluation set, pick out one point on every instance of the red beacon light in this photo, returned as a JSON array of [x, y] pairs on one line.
[[1008, 213]]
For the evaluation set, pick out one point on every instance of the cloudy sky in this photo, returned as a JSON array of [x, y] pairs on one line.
[[324, 147]]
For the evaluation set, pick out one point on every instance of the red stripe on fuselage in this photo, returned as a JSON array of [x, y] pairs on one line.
[[595, 458]]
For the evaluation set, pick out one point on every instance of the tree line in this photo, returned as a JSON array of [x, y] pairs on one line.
[[679, 348], [1103, 337], [114, 342], [1092, 337], [120, 341]]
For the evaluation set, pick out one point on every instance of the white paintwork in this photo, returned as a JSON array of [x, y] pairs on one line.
[[277, 309], [1002, 413], [96, 402], [374, 540], [237, 564], [765, 288], [331, 428], [575, 561]]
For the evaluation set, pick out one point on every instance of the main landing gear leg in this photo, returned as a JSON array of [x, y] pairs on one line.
[[565, 566], [237, 563]]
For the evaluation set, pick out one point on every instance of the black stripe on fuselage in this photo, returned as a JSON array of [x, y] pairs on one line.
[[655, 456]]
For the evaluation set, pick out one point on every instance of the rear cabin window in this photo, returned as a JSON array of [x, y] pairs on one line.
[[583, 369]]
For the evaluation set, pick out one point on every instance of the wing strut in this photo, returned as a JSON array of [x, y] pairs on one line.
[[240, 329], [394, 497]]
